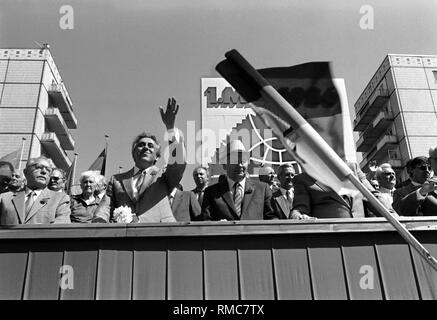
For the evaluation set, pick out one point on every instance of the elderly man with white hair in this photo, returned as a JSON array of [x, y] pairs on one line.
[[386, 178], [267, 174]]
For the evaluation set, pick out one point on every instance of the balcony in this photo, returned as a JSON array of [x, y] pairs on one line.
[[374, 131], [381, 151], [51, 144], [57, 125], [62, 101], [376, 102]]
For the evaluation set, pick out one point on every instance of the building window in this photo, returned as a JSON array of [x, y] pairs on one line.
[[393, 154]]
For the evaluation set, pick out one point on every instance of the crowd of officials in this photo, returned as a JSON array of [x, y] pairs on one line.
[[148, 193]]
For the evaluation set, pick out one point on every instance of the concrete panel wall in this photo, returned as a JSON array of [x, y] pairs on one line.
[[410, 78], [11, 142], [420, 145], [24, 71], [3, 67], [16, 120], [416, 100], [421, 124], [20, 95]]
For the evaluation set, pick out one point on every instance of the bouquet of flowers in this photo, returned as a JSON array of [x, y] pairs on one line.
[[123, 214]]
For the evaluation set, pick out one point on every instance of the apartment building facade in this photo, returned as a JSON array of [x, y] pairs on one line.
[[396, 114], [35, 105]]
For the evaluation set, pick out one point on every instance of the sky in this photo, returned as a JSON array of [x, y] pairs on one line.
[[124, 59]]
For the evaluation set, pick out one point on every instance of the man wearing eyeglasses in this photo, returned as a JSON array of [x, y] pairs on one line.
[[419, 197], [57, 180], [35, 204]]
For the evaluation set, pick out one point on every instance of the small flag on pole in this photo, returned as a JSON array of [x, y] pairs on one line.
[[70, 176], [100, 163], [12, 158]]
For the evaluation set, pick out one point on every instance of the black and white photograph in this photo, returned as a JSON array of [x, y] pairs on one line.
[[218, 158]]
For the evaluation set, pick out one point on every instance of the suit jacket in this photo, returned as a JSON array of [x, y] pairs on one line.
[[407, 203], [152, 205], [185, 206], [317, 200], [280, 205], [48, 207], [218, 203]]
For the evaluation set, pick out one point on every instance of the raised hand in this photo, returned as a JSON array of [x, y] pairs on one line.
[[169, 115]]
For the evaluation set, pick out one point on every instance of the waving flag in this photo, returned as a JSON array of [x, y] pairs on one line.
[[310, 90], [70, 176], [13, 158], [298, 136], [100, 163]]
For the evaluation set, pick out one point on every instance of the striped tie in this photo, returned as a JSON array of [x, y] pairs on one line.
[[29, 201], [238, 197], [139, 183]]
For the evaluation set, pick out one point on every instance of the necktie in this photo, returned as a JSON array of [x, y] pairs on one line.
[[29, 201], [288, 196], [200, 197], [139, 183], [238, 197]]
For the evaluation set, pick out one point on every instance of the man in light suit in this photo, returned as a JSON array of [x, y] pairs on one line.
[[145, 188], [184, 205], [312, 199], [418, 198], [236, 196], [386, 178], [282, 201], [36, 204]]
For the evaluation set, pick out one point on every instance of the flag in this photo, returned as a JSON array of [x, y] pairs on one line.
[[299, 137], [12, 158], [100, 163], [310, 90], [70, 176]]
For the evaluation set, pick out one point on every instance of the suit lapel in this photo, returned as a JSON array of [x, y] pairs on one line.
[[227, 197], [148, 180], [39, 202], [18, 202], [176, 200], [247, 196], [283, 204], [127, 183]]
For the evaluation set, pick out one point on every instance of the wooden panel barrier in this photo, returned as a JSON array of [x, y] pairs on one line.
[[322, 259]]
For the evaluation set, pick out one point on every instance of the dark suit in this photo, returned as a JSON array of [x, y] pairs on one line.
[[185, 206], [218, 203], [280, 205], [407, 203], [48, 207], [314, 199], [152, 205]]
